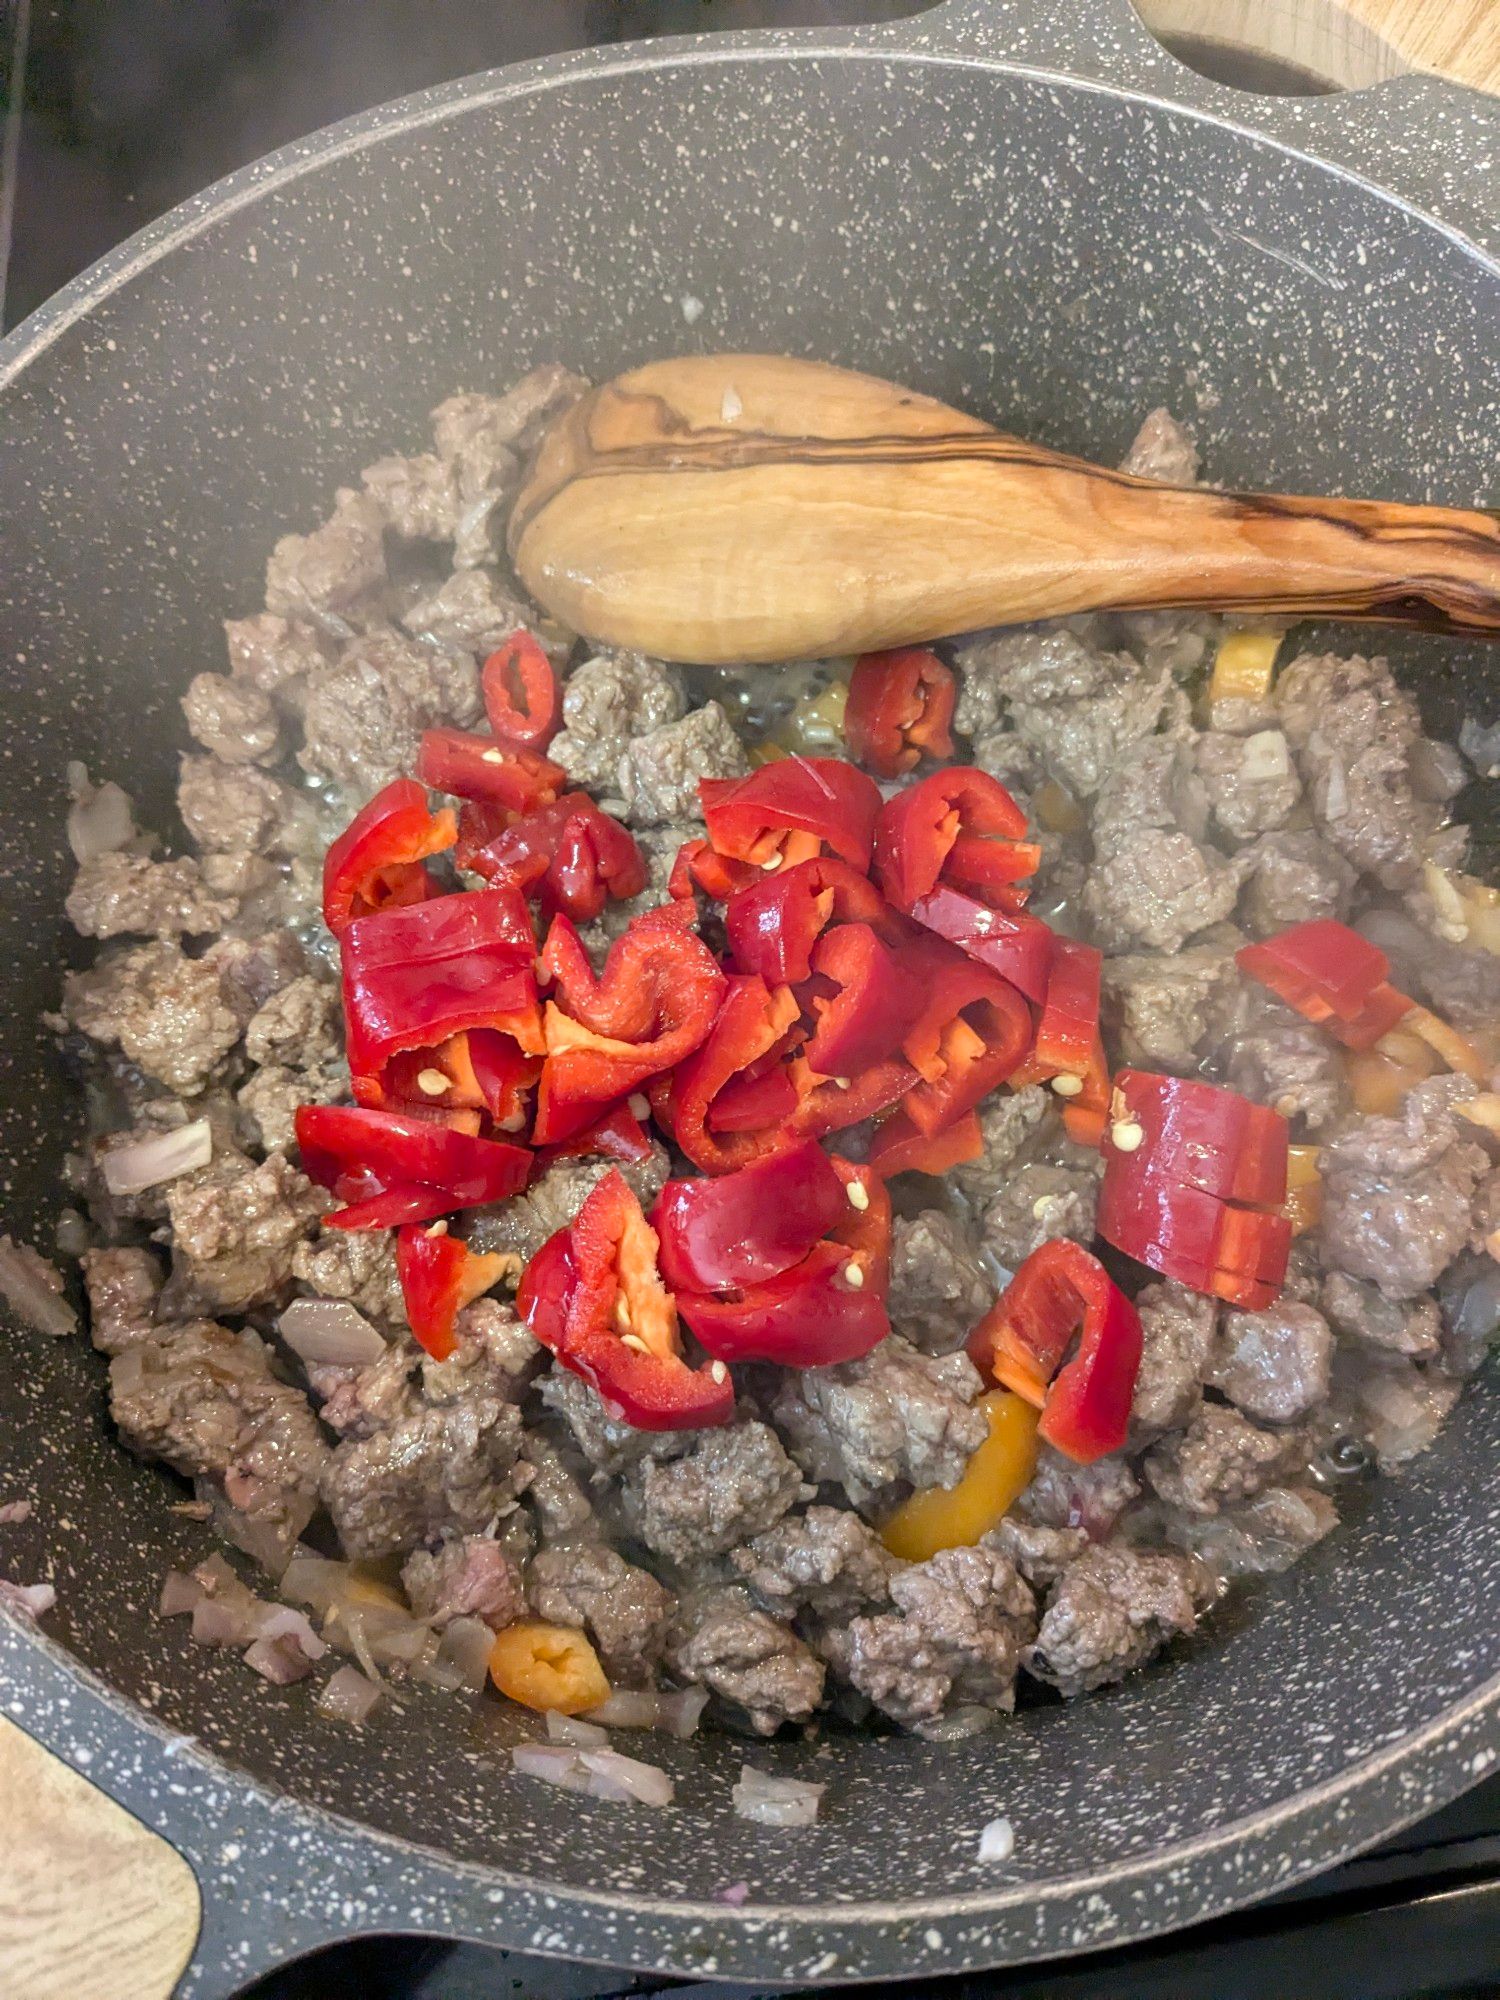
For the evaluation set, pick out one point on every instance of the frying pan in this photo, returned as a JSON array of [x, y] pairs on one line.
[[1029, 211]]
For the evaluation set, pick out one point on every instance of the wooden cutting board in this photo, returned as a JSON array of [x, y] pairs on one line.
[[93, 1905]]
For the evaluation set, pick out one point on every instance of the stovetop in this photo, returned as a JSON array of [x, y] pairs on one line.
[[116, 109]]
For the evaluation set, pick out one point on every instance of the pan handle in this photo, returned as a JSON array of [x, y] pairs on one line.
[[1422, 137]]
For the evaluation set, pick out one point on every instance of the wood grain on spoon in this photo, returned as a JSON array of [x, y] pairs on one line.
[[737, 507]]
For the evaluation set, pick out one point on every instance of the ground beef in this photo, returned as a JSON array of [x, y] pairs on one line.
[[1065, 1494], [365, 716], [1252, 782], [123, 1287], [335, 574], [232, 719], [608, 701], [234, 1228], [1294, 878], [1354, 731], [1040, 1202], [1040, 1554], [480, 437], [1459, 981], [298, 1025], [1177, 1333], [1159, 890], [357, 1265], [418, 498], [434, 1471], [1220, 1460], [939, 1288], [1273, 1364], [471, 613], [1008, 757], [1163, 449], [163, 1009], [720, 1641], [205, 1400], [658, 773], [1110, 1611], [608, 1443], [233, 808], [120, 895], [252, 969], [1261, 1538], [1008, 1122], [494, 1349], [955, 1637], [1397, 1406], [357, 1402], [563, 1510], [895, 1415], [471, 1577], [731, 1485], [1275, 1057], [1397, 1192], [1157, 1011], [276, 655], [1362, 1312], [624, 1610], [826, 1562]]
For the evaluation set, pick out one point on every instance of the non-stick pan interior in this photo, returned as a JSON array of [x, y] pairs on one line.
[[1052, 256]]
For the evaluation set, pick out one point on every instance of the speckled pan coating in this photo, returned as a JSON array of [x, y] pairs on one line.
[[934, 202]]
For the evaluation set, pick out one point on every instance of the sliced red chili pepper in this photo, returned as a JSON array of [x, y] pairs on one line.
[[751, 1103], [973, 1031], [744, 1227], [618, 1135], [1069, 1022], [1331, 975], [863, 1001], [899, 1148], [774, 923], [752, 1020], [606, 1037], [521, 695], [593, 1295], [1059, 1291], [1017, 946], [483, 1069], [569, 856], [376, 862], [1086, 1114], [865, 1225], [478, 767], [390, 1210], [363, 1154], [791, 808], [1194, 1179], [958, 828], [440, 1275], [415, 978], [900, 705], [809, 1317], [832, 1104], [698, 867]]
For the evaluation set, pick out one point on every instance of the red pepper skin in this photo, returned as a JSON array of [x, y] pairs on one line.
[[900, 705], [698, 867], [899, 1148], [742, 1228], [521, 695], [361, 1154], [655, 1004], [1197, 1197], [752, 1103], [414, 978], [390, 1210], [618, 1135], [752, 1020], [824, 1105], [774, 924], [863, 1001], [569, 856], [1332, 976], [1020, 1343], [578, 1286], [808, 1317], [973, 1032], [1017, 946], [791, 806], [376, 862], [478, 767], [440, 1275], [919, 831], [867, 1230], [1069, 1022]]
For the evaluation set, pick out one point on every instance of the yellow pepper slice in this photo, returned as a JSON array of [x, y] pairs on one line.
[[995, 1477], [1304, 1199], [1244, 666], [547, 1666]]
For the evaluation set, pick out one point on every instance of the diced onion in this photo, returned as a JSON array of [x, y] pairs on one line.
[[14, 1512], [1266, 757], [220, 1623], [314, 1580], [736, 1893], [573, 1730], [330, 1333], [28, 1600], [279, 1661], [280, 1621], [775, 1801], [959, 1724], [100, 820], [600, 1774], [180, 1594], [348, 1697], [463, 1656], [146, 1163], [676, 1713], [997, 1841], [33, 1290]]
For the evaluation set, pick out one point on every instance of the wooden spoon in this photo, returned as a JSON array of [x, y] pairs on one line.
[[735, 507]]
